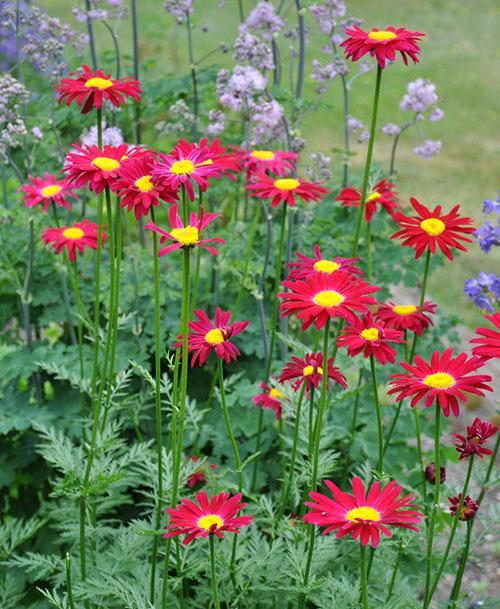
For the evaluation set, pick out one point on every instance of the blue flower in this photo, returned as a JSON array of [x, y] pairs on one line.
[[488, 236], [490, 207], [484, 290]]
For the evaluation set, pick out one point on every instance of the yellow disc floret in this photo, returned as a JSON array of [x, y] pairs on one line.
[[286, 184], [382, 35], [363, 513], [183, 168], [189, 235], [215, 337], [51, 191], [276, 394], [99, 83], [263, 155], [326, 266], [105, 163], [208, 521], [73, 232], [404, 309], [144, 184], [433, 226], [370, 334], [308, 370], [439, 380], [328, 298], [374, 196]]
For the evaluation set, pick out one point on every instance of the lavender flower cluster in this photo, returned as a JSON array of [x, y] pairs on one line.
[[115, 10], [488, 235], [179, 9], [13, 97], [180, 120]]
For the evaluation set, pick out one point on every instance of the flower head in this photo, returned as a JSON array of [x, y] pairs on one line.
[[256, 162], [484, 290], [207, 516], [430, 473], [370, 337], [310, 371], [382, 194], [89, 89], [318, 265], [269, 398], [445, 378], [469, 507], [198, 477], [286, 190], [322, 296], [406, 316], [432, 229], [382, 44], [363, 515], [78, 236], [473, 443], [206, 336], [488, 341], [186, 236], [47, 190]]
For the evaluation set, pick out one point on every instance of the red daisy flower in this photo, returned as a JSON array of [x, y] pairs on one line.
[[286, 189], [370, 337], [78, 236], [322, 296], [89, 89], [207, 516], [270, 398], [446, 378], [488, 341], [382, 44], [214, 155], [364, 516], [100, 168], [319, 265], [310, 371], [383, 194], [273, 161], [198, 477], [406, 316], [429, 229], [430, 473], [138, 190], [469, 507], [477, 436], [206, 337], [47, 190], [186, 236]]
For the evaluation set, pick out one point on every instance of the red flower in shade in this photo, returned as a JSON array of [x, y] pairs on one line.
[[186, 236], [382, 44], [188, 163], [322, 296], [286, 189], [75, 237], [477, 435], [310, 371], [206, 336], [270, 398], [363, 515], [383, 194], [206, 516], [319, 265], [446, 378], [370, 337], [272, 161], [138, 190], [430, 473], [100, 168], [469, 507], [430, 230], [488, 341], [198, 477], [89, 89], [46, 190], [406, 316]]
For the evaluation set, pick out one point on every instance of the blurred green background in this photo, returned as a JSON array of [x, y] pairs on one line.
[[460, 54]]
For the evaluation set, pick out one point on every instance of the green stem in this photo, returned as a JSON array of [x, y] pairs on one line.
[[227, 420], [69, 586], [395, 568], [460, 573], [364, 577], [435, 507], [368, 162], [453, 531], [422, 298], [380, 429], [251, 238], [369, 252], [215, 593]]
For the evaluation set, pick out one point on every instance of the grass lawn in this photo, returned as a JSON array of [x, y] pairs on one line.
[[460, 55]]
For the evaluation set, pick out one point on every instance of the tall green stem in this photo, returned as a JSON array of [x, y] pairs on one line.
[[364, 577], [251, 238], [394, 571], [69, 586], [227, 420], [369, 154], [422, 298], [215, 593], [380, 466]]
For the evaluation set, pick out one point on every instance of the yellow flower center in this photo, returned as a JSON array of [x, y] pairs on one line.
[[326, 266], [204, 163], [433, 226], [276, 394], [105, 163], [188, 235], [73, 232], [182, 168], [99, 83], [328, 298], [286, 184], [308, 370], [439, 380], [208, 521], [404, 309], [215, 337], [383, 35], [50, 191], [370, 334], [263, 155], [144, 184], [374, 196], [363, 513]]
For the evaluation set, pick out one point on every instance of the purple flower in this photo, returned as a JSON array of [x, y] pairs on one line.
[[391, 129], [429, 149], [217, 122], [436, 115], [264, 20], [179, 9], [249, 49], [353, 124], [488, 236], [111, 136], [484, 290], [490, 207], [327, 13], [421, 94], [322, 73]]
